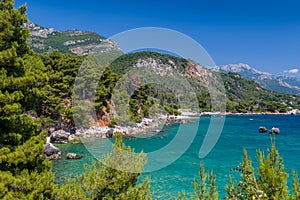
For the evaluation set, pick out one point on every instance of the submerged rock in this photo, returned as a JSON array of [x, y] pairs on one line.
[[262, 129], [73, 156]]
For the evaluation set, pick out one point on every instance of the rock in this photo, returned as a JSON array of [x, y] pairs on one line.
[[274, 131], [50, 129], [55, 156], [52, 152], [110, 133], [147, 122], [59, 136], [50, 149], [262, 129], [73, 156]]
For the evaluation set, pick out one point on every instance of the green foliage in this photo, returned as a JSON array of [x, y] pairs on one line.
[[115, 179], [61, 70], [24, 172], [296, 186], [247, 188], [105, 88], [272, 177], [112, 123], [270, 182], [200, 186]]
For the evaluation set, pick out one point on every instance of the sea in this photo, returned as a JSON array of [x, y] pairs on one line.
[[238, 132]]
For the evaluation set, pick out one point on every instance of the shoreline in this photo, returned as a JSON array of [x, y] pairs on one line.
[[146, 127]]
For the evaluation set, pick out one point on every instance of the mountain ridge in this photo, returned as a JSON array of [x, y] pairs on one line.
[[283, 84]]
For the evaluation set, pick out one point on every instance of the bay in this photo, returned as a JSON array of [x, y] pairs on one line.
[[239, 131]]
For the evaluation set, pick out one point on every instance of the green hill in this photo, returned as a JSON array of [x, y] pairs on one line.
[[242, 95]]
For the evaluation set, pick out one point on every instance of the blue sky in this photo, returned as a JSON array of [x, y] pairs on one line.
[[264, 34]]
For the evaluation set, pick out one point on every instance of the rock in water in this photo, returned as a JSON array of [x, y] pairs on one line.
[[59, 136], [274, 131], [110, 133], [73, 156], [262, 129], [55, 156], [52, 151]]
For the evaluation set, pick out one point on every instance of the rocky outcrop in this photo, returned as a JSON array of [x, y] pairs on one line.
[[274, 131], [59, 136], [52, 151], [262, 129], [73, 156]]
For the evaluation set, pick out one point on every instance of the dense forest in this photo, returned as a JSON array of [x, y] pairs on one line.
[[36, 92]]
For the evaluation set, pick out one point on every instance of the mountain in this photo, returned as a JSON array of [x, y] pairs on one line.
[[283, 84], [242, 95], [45, 40]]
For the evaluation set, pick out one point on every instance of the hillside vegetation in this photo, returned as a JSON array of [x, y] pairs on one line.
[[242, 95]]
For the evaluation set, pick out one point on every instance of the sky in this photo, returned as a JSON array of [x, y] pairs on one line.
[[264, 34]]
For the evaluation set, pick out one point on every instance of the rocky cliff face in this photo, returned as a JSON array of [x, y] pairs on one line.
[[45, 40]]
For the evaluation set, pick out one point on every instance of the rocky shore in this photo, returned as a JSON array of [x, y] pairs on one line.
[[62, 136]]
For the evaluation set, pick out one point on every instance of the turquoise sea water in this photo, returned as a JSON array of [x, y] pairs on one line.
[[238, 132]]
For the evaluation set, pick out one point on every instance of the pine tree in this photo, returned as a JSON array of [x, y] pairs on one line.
[[24, 172], [204, 188], [268, 182]]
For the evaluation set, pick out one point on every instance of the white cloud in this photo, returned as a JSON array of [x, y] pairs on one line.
[[291, 71]]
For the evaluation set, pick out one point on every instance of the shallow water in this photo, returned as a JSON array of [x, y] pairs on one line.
[[239, 132]]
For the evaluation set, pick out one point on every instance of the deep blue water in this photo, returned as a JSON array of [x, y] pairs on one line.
[[239, 132]]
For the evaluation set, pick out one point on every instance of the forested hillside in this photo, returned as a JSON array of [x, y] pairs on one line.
[[60, 69]]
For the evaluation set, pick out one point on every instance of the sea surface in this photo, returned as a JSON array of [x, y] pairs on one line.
[[239, 131]]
